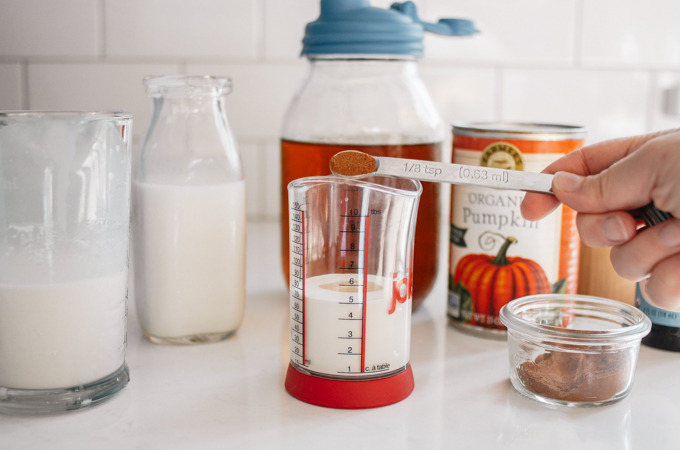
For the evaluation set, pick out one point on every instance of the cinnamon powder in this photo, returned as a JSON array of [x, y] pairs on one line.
[[577, 377], [352, 163]]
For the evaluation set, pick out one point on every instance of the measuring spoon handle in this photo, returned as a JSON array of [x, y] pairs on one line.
[[490, 177]]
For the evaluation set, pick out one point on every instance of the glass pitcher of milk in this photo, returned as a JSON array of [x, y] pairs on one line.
[[64, 227], [189, 215]]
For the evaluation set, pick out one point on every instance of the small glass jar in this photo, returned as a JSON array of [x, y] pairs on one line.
[[573, 350], [189, 215]]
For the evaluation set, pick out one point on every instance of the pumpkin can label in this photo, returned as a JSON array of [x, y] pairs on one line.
[[495, 254]]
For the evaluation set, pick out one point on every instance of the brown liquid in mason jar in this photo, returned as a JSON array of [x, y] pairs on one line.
[[303, 159]]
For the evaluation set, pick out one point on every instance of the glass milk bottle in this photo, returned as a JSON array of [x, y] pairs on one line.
[[363, 92], [189, 215]]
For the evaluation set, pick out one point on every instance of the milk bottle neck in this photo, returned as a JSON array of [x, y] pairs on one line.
[[189, 141], [167, 106]]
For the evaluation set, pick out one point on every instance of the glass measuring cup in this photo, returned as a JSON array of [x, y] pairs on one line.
[[351, 266], [64, 226]]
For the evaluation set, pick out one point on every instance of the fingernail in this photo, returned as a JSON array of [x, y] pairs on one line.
[[669, 236], [567, 182], [614, 230]]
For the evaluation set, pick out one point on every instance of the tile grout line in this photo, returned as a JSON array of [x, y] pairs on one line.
[[260, 32], [578, 33], [181, 67], [260, 161], [102, 30], [652, 80], [25, 98], [260, 181], [498, 94]]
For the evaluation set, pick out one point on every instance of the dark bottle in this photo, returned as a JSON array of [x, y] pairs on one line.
[[665, 333]]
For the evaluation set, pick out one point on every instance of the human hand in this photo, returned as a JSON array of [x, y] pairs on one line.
[[604, 181]]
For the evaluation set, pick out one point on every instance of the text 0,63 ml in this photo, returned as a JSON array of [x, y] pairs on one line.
[[482, 174]]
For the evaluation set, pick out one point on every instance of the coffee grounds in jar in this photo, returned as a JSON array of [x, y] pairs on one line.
[[576, 377]]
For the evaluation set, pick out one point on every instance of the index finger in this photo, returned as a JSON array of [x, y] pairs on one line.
[[589, 160]]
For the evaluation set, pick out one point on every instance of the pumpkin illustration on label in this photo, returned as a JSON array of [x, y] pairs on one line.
[[485, 283]]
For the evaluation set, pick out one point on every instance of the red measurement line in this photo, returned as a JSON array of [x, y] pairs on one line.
[[343, 238], [304, 305], [363, 314]]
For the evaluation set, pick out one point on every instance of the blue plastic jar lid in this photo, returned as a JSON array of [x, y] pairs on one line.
[[355, 27]]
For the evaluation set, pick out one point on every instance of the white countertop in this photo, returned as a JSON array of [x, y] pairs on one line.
[[231, 395]]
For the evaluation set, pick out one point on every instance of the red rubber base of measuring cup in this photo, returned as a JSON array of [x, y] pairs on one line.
[[351, 394]]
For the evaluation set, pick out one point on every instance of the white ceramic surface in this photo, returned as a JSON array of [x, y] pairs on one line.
[[230, 394]]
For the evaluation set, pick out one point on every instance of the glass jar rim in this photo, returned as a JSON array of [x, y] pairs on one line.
[[331, 179], [182, 81], [89, 115], [187, 85], [638, 324]]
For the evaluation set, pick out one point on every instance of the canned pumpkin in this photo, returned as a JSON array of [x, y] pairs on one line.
[[495, 254]]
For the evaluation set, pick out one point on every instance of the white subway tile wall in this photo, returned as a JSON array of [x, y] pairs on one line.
[[96, 86], [191, 29], [284, 27], [260, 96], [57, 28], [606, 64], [665, 95], [608, 103], [512, 31], [631, 32]]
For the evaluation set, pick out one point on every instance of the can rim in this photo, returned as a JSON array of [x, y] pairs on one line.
[[519, 130]]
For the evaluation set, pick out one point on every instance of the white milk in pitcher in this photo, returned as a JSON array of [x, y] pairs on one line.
[[189, 248], [62, 335], [334, 327]]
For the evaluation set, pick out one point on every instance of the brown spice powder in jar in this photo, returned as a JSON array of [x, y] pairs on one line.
[[577, 377]]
